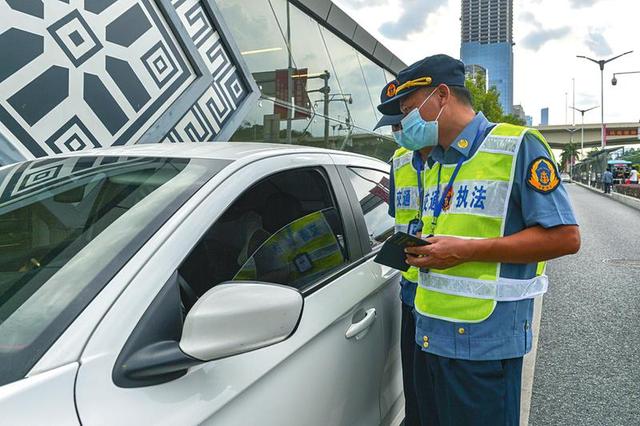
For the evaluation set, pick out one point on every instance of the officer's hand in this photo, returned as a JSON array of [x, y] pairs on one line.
[[441, 253]]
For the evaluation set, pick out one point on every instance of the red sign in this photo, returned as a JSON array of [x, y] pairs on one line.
[[381, 190], [300, 97], [627, 131]]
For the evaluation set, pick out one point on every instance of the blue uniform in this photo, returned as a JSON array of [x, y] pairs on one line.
[[507, 332], [474, 377]]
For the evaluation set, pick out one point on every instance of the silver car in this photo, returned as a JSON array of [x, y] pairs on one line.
[[225, 283]]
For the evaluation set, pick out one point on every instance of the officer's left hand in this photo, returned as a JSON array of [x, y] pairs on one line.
[[441, 253]]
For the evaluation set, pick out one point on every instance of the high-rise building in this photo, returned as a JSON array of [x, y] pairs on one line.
[[544, 117], [487, 40], [518, 111], [528, 120]]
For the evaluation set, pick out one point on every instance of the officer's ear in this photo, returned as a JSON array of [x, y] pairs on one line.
[[443, 94]]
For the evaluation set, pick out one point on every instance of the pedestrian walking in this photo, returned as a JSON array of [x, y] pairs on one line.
[[497, 209], [607, 181], [633, 176]]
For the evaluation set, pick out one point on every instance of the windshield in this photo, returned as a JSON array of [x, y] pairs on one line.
[[67, 225]]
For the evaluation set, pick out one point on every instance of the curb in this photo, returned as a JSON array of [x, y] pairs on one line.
[[634, 203], [529, 365]]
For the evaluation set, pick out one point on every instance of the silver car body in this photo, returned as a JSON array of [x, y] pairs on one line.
[[317, 376]]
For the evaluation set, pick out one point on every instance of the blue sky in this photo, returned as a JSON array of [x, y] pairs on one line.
[[548, 35]]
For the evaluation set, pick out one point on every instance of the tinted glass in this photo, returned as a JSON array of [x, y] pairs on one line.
[[372, 190], [333, 87], [67, 225], [290, 218]]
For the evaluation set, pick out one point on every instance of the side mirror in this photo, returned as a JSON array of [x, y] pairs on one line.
[[238, 317], [230, 319]]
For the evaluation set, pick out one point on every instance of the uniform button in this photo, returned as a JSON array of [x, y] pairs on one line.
[[461, 330], [425, 345], [425, 338]]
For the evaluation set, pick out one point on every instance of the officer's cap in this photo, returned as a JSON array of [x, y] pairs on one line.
[[388, 92], [429, 72]]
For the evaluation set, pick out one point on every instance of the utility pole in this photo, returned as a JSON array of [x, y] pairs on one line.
[[325, 90], [289, 78], [573, 121], [601, 63], [582, 112]]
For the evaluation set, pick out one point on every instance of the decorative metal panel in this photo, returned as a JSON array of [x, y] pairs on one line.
[[84, 74]]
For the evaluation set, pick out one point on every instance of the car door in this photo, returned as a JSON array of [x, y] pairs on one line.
[[367, 183], [328, 372]]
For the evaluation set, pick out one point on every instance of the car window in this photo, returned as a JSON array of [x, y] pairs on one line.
[[67, 226], [372, 190], [285, 229], [299, 254]]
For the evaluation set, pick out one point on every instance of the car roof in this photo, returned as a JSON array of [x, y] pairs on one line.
[[211, 150]]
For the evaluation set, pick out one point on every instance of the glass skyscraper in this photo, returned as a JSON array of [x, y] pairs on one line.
[[487, 40]]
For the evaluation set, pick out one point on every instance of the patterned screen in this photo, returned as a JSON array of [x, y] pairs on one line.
[[79, 74]]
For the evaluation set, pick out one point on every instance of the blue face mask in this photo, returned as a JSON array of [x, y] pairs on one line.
[[417, 133]]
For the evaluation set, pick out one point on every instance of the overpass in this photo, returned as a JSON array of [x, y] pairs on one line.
[[618, 134]]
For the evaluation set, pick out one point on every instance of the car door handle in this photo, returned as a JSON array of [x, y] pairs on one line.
[[388, 272], [361, 326]]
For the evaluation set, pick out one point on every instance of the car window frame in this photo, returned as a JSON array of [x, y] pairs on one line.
[[340, 196], [361, 224]]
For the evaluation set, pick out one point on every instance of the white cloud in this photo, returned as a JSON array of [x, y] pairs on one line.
[[597, 43], [412, 19], [537, 38], [542, 76]]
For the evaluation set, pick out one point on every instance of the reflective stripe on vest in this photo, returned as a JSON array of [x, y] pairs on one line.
[[476, 209], [407, 197]]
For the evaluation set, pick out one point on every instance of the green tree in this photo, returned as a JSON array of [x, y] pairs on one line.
[[513, 119], [594, 151], [489, 102], [569, 154], [632, 155]]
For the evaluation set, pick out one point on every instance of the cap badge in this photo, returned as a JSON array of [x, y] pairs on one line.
[[391, 90]]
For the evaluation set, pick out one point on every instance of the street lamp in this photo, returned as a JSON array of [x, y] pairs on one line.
[[582, 111], [614, 80], [601, 63]]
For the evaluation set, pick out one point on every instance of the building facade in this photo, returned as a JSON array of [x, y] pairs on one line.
[[477, 73], [518, 111], [82, 75], [487, 41], [544, 117]]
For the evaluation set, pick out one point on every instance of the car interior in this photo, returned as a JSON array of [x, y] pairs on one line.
[[261, 212]]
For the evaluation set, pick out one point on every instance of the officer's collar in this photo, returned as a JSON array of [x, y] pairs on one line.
[[464, 142]]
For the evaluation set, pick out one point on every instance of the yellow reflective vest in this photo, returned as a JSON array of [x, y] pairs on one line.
[[406, 197], [476, 207]]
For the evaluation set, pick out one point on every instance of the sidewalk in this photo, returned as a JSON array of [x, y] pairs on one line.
[[624, 199]]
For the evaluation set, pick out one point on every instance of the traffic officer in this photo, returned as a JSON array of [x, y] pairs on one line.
[[494, 210], [406, 195]]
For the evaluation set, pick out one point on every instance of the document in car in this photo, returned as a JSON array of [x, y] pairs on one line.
[[392, 252]]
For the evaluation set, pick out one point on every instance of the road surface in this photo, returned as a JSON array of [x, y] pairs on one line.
[[587, 369]]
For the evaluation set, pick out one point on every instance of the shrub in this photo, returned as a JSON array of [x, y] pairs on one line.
[[630, 190]]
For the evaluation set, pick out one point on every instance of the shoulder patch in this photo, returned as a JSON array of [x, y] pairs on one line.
[[542, 175]]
